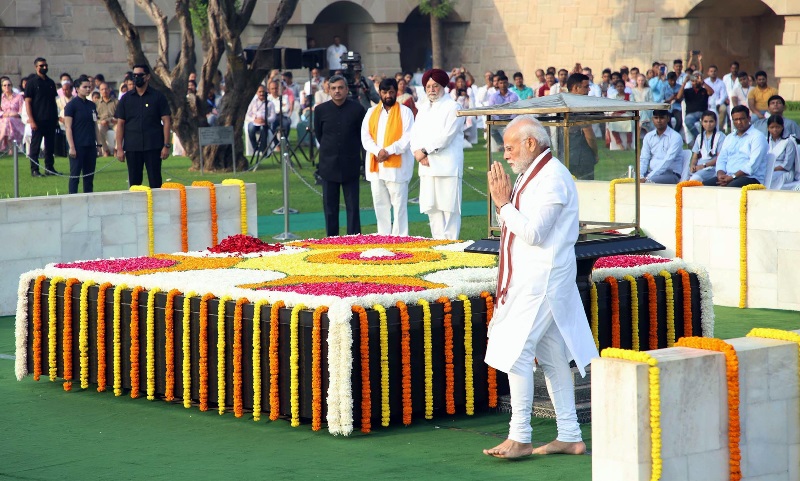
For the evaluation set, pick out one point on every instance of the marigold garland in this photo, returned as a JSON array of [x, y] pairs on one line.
[[117, 321], [186, 348], [405, 360], [652, 309], [238, 404], [169, 345], [221, 354], [491, 372], [469, 387], [732, 374], [66, 340], [615, 327], [655, 403], [384, 343], [294, 364], [150, 354], [449, 373], [83, 333], [594, 321], [257, 359], [134, 351], [316, 369], [612, 195], [427, 344], [212, 193], [687, 302], [634, 312], [184, 212], [203, 363], [52, 301], [274, 371], [150, 236], [243, 200], [679, 213], [670, 294], [100, 339], [37, 327], [366, 392], [743, 242]]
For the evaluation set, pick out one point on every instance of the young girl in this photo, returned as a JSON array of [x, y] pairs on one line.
[[782, 154], [614, 130], [642, 93], [705, 149]]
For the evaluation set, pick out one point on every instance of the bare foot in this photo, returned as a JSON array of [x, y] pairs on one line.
[[509, 449], [561, 447]]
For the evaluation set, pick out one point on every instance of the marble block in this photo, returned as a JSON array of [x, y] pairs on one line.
[[75, 213], [109, 203]]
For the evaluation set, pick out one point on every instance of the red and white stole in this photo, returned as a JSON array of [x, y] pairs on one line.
[[507, 237]]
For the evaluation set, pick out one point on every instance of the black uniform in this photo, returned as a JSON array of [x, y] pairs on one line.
[[338, 129], [84, 118], [143, 133], [43, 93]]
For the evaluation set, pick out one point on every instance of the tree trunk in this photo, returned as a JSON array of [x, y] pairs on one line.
[[227, 21], [436, 37]]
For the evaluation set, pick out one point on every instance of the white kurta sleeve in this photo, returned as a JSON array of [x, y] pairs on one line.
[[450, 128], [367, 141], [534, 225]]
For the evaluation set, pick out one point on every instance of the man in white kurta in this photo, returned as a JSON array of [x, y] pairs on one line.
[[538, 311], [385, 149], [437, 146]]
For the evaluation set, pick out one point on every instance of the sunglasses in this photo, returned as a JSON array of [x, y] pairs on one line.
[[139, 75], [41, 65]]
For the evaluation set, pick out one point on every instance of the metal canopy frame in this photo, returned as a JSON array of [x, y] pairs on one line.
[[565, 111]]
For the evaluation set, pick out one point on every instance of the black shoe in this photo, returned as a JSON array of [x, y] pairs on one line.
[[36, 173], [51, 172]]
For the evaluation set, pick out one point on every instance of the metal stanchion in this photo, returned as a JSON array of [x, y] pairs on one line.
[[16, 169], [285, 210]]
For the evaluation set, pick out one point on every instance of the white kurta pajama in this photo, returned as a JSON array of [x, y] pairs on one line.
[[540, 314], [389, 184], [438, 130]]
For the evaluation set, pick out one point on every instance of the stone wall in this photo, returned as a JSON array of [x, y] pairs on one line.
[[694, 414], [36, 231], [711, 235], [78, 36]]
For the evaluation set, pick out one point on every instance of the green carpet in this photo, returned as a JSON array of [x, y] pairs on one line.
[[49, 434]]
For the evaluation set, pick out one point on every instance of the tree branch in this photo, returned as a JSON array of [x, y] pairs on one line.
[[128, 31], [188, 57], [160, 20]]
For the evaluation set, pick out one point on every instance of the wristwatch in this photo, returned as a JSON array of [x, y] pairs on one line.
[[733, 175], [168, 145], [424, 152]]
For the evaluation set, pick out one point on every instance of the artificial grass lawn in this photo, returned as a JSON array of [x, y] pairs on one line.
[[52, 434]]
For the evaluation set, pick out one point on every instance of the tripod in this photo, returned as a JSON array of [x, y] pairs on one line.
[[308, 134]]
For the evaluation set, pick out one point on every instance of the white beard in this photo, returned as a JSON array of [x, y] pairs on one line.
[[433, 97], [521, 166]]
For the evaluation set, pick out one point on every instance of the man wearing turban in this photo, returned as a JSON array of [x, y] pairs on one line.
[[437, 146]]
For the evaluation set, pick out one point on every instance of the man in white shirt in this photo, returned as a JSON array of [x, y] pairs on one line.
[[742, 90], [260, 115], [437, 146], [334, 53], [742, 160], [311, 86], [594, 89], [731, 81], [283, 108], [661, 160], [718, 102], [385, 134]]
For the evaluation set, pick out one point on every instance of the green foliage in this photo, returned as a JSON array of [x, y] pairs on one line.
[[437, 8], [793, 105], [199, 11]]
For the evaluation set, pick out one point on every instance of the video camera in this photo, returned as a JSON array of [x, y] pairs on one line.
[[351, 64]]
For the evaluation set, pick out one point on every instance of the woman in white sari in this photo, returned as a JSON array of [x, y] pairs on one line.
[[781, 157]]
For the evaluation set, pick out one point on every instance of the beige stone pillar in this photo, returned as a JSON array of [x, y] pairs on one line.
[[787, 67], [377, 43]]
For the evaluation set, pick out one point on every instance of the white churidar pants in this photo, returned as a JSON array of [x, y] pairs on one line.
[[386, 196], [546, 345], [440, 198]]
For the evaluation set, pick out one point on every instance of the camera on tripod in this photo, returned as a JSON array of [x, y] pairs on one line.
[[351, 64]]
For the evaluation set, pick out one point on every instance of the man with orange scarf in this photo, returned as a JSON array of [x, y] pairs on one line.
[[389, 164]]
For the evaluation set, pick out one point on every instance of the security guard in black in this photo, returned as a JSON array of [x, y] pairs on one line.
[[143, 117]]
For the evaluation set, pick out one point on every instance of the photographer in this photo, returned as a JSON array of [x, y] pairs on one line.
[[363, 90]]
